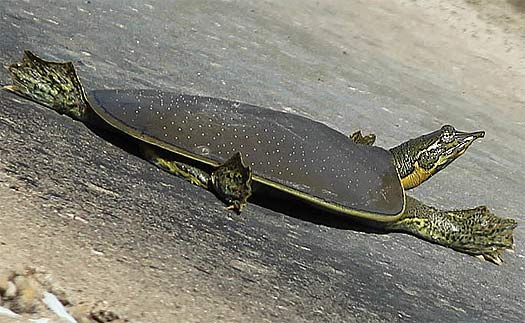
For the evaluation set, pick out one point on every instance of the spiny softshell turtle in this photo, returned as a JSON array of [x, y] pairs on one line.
[[228, 146]]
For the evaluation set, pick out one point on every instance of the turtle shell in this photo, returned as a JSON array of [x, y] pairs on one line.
[[291, 153]]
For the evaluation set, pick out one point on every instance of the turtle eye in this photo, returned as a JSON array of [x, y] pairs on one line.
[[447, 134], [447, 137]]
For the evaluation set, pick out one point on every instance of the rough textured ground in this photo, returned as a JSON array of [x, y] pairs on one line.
[[107, 226]]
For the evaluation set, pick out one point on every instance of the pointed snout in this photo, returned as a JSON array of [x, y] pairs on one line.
[[478, 134], [467, 137], [464, 140]]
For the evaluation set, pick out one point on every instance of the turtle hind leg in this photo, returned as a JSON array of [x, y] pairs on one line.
[[192, 174], [358, 138], [232, 182], [52, 84], [475, 231]]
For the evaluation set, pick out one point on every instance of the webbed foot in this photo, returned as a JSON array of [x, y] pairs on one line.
[[53, 84], [484, 234], [358, 138], [477, 231], [232, 182]]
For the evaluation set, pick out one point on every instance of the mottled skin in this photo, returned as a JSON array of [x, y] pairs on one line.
[[455, 228], [474, 231]]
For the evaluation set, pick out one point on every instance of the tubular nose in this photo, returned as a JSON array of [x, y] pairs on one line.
[[470, 135], [478, 134]]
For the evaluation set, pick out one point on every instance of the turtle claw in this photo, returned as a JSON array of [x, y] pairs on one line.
[[491, 258], [10, 88], [358, 138], [236, 207], [232, 182]]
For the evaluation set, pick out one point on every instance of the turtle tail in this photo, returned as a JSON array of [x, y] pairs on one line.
[[52, 84]]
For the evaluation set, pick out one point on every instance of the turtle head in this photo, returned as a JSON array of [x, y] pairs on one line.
[[420, 158]]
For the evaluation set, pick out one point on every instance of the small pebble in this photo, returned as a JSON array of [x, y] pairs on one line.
[[10, 291], [29, 295], [3, 284], [81, 313]]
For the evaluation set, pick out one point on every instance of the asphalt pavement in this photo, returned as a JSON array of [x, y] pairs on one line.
[[333, 62]]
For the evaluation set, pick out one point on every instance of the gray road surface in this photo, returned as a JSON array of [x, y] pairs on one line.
[[337, 63]]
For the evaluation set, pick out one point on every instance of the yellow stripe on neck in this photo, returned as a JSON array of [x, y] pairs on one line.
[[418, 176]]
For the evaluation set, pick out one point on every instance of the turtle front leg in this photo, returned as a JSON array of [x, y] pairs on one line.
[[232, 182], [475, 231]]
